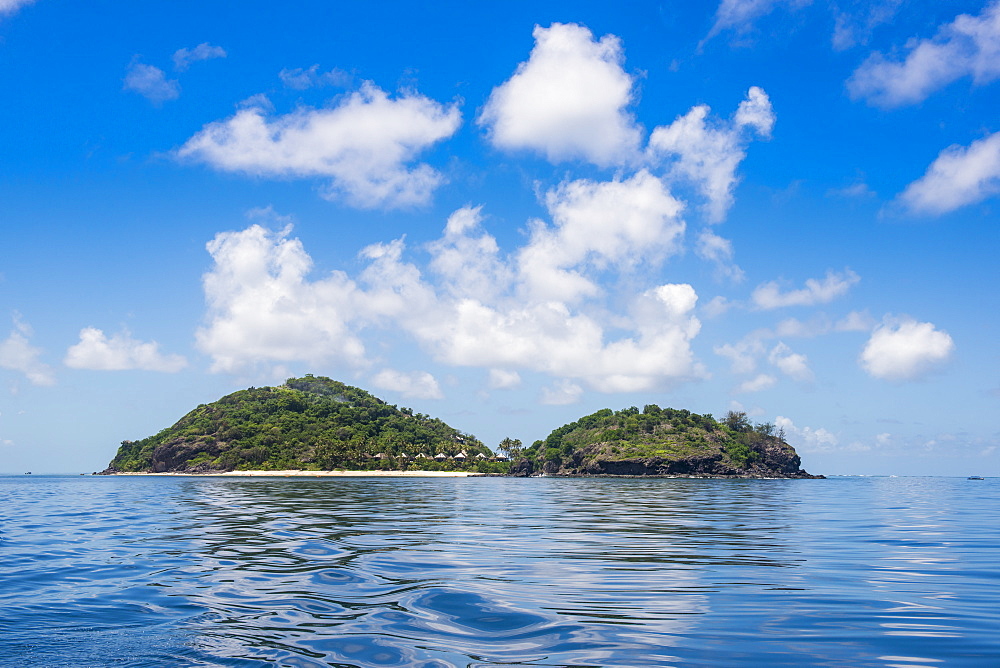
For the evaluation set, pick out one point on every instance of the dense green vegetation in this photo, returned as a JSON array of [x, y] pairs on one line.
[[658, 437], [311, 423]]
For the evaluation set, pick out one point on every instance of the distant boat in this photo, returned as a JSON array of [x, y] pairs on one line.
[[27, 473], [976, 477]]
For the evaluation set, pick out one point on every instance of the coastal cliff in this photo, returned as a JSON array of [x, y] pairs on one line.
[[662, 442]]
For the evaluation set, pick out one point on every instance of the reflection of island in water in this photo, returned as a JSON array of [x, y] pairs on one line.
[[319, 424]]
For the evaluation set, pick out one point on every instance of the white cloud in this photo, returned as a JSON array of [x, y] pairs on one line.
[[151, 83], [758, 383], [502, 379], [119, 352], [707, 151], [792, 364], [968, 46], [742, 355], [769, 295], [607, 224], [718, 305], [562, 393], [739, 15], [719, 250], [263, 309], [310, 77], [11, 6], [204, 51], [958, 177], [416, 385], [856, 27], [903, 349], [855, 321], [366, 145], [17, 354], [567, 101], [469, 264], [806, 439]]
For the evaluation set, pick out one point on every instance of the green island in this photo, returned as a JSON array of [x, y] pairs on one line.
[[319, 424]]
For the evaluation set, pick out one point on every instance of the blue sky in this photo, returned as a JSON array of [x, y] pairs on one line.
[[506, 217]]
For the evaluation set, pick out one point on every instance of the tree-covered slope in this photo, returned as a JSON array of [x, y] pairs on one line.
[[307, 423], [662, 441]]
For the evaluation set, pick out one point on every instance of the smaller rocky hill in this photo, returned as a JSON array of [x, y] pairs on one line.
[[662, 441]]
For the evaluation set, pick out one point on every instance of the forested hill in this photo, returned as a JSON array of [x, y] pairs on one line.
[[662, 441], [307, 423]]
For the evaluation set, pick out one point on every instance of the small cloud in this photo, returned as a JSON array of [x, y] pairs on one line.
[[302, 78], [965, 47], [859, 190], [855, 321], [17, 354], [769, 295], [120, 352], [717, 306], [414, 385], [502, 379], [563, 393], [794, 365], [758, 383], [204, 51], [902, 349], [807, 439], [959, 176], [11, 6], [151, 83], [716, 249]]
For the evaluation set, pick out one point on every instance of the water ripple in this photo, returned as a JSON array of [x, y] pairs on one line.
[[497, 572]]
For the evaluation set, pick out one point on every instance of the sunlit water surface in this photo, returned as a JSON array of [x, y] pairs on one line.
[[178, 571]]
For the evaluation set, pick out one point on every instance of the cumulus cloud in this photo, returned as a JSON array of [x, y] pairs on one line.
[[264, 308], [311, 77], [204, 51], [415, 385], [366, 145], [11, 6], [567, 101], [17, 354], [807, 439], [758, 383], [601, 224], [707, 151], [769, 295], [118, 353], [968, 46], [958, 177], [792, 364], [151, 83], [902, 349]]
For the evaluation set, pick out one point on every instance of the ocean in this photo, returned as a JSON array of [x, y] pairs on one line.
[[476, 572]]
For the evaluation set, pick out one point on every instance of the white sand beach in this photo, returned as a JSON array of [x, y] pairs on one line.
[[323, 474]]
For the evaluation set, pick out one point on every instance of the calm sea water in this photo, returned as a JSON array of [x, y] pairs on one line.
[[130, 571]]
